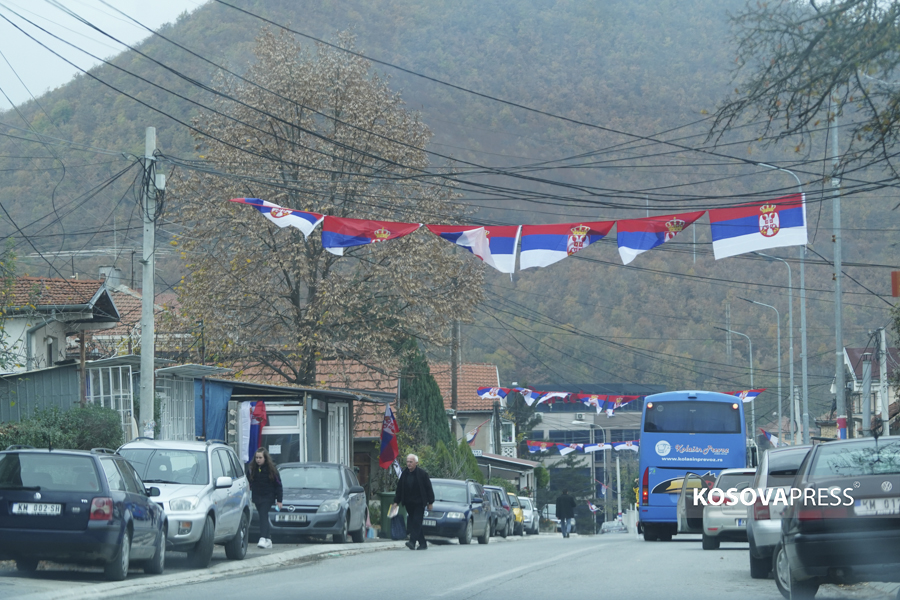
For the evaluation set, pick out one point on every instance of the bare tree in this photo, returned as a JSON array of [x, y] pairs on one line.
[[795, 57], [318, 132]]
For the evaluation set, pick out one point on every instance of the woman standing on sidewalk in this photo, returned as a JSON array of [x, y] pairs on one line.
[[265, 485]]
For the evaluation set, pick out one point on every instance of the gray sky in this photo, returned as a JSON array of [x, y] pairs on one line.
[[27, 68]]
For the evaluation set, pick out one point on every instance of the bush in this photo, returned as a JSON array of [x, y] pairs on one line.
[[80, 428], [506, 484]]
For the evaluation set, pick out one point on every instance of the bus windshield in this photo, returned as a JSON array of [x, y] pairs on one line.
[[692, 417]]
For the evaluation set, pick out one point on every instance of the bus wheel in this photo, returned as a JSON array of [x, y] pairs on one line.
[[650, 533]]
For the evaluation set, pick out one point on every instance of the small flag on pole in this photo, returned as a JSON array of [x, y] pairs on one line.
[[389, 430]]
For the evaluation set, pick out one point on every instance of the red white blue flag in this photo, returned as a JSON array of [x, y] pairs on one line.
[[636, 236], [390, 451], [758, 226], [339, 233], [543, 245], [493, 393], [494, 244], [747, 395], [633, 445], [773, 439], [284, 217], [591, 507]]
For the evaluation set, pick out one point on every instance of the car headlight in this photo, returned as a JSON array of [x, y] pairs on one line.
[[330, 506], [455, 515], [184, 504]]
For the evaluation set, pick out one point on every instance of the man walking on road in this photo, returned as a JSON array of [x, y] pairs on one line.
[[414, 491], [565, 511]]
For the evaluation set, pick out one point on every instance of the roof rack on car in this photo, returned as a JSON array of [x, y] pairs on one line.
[[20, 447], [103, 451]]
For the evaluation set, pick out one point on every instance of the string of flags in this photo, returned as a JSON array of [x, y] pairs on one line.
[[738, 229], [535, 446], [601, 402], [747, 395]]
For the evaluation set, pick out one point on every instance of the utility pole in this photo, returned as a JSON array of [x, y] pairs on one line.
[[454, 370], [148, 214], [839, 394], [803, 355], [867, 395], [883, 380]]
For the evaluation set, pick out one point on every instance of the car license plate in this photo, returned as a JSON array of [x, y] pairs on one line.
[[290, 518], [740, 522], [877, 506], [429, 523], [35, 508]]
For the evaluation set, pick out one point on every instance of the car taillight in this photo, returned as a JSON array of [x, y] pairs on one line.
[[101, 509], [761, 510], [645, 487], [817, 513]]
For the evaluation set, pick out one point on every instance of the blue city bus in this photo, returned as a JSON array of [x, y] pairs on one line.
[[689, 431]]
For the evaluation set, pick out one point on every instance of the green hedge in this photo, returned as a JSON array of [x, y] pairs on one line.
[[80, 428]]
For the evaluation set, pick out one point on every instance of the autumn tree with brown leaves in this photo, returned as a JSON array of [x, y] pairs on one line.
[[315, 130]]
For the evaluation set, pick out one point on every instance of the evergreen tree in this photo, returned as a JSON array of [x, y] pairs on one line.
[[420, 391]]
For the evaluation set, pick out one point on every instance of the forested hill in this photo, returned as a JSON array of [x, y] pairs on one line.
[[649, 68]]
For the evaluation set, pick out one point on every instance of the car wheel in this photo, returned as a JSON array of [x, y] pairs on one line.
[[466, 537], [759, 567], [359, 536], [27, 565], [341, 538], [789, 587], [157, 564], [509, 527], [710, 543], [199, 557], [117, 568], [505, 531], [485, 537], [493, 528], [236, 548]]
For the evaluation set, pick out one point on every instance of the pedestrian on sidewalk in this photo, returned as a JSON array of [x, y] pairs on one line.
[[265, 486], [414, 491], [565, 511]]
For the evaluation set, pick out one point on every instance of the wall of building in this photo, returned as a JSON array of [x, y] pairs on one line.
[[15, 331]]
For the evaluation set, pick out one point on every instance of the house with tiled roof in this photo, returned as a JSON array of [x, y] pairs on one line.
[[853, 369], [42, 312]]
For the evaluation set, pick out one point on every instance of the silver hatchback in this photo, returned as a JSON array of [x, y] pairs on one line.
[[776, 470], [727, 521], [204, 492]]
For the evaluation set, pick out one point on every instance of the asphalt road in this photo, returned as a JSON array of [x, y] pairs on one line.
[[547, 566]]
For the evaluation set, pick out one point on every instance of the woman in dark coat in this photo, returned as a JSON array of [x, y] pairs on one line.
[[265, 486]]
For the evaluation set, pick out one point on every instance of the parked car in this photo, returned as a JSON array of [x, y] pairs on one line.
[[613, 527], [846, 526], [728, 520], [74, 506], [548, 513], [501, 512], [519, 523], [532, 519], [204, 491], [458, 512], [776, 470], [319, 499]]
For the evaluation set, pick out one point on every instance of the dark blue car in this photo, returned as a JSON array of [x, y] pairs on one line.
[[459, 511], [73, 506]]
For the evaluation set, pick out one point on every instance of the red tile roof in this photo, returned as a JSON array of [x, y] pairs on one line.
[[854, 355], [47, 291], [470, 377]]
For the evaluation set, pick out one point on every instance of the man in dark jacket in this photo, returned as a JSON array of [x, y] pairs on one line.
[[415, 493], [565, 511]]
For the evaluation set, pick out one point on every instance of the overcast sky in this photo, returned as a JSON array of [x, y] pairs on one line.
[[27, 68]]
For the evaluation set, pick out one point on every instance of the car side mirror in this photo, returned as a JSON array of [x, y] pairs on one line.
[[477, 500], [357, 489], [152, 491], [224, 482]]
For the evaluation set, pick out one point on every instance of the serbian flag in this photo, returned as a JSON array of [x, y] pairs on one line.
[[591, 447], [594, 400], [339, 233], [636, 236], [284, 217], [591, 507], [534, 447], [773, 439], [568, 448], [494, 244], [758, 226], [530, 396], [470, 437], [543, 245], [389, 430], [632, 445], [747, 395], [492, 393], [552, 396]]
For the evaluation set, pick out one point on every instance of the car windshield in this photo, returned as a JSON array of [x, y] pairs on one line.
[[514, 501], [51, 471], [186, 467], [526, 503], [449, 492], [311, 478], [853, 460]]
